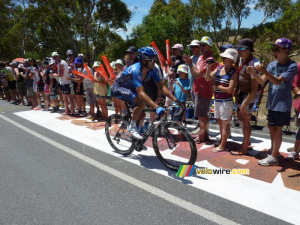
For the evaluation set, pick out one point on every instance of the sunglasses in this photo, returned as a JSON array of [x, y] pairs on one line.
[[152, 60], [241, 48], [193, 46], [275, 50], [202, 45]]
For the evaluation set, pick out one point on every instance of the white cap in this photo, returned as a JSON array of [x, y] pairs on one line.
[[119, 61], [230, 53], [182, 68], [194, 43]]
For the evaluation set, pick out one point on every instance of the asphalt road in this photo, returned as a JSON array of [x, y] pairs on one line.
[[47, 178]]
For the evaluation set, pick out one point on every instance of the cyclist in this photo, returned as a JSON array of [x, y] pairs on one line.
[[129, 87]]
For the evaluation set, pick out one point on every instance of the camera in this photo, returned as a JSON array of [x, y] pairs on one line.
[[210, 61]]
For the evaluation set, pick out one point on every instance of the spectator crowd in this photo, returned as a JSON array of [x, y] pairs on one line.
[[236, 81]]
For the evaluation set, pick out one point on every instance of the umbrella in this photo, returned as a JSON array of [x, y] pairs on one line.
[[18, 60]]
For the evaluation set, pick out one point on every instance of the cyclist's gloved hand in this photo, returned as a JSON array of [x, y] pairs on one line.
[[160, 110], [178, 102]]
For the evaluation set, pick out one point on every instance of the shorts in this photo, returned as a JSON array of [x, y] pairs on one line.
[[243, 96], [279, 119], [12, 85], [65, 89], [53, 92], [78, 90], [21, 88], [223, 109], [30, 92], [46, 89], [123, 93], [99, 96], [90, 97], [201, 106]]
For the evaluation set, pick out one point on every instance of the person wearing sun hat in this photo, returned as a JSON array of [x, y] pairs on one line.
[[280, 73], [247, 91], [225, 76], [181, 88], [203, 89]]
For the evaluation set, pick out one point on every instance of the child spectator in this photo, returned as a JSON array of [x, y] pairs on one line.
[[181, 88], [280, 73], [225, 77]]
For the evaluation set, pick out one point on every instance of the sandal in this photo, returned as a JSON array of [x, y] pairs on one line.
[[238, 153], [217, 149]]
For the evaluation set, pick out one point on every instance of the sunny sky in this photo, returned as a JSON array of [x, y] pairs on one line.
[[141, 8]]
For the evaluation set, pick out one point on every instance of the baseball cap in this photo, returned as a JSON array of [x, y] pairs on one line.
[[230, 53], [132, 49], [283, 43], [224, 47], [78, 60], [245, 43], [206, 40], [194, 43], [54, 54], [96, 64], [119, 61], [178, 46], [182, 68]]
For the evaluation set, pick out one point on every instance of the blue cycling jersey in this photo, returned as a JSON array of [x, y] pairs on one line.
[[132, 76]]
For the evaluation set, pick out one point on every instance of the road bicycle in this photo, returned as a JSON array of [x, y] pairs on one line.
[[172, 143]]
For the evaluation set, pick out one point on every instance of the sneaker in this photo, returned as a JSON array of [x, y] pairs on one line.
[[45, 109], [133, 131], [37, 108], [89, 117], [269, 161], [196, 132], [292, 156]]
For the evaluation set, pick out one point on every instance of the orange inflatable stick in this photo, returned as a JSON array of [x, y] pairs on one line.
[[83, 75], [104, 75], [168, 51], [108, 67], [88, 71], [161, 58]]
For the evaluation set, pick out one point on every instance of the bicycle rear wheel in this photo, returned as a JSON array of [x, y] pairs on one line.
[[174, 146], [117, 134]]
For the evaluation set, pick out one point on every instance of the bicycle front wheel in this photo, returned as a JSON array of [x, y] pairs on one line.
[[117, 134], [174, 146]]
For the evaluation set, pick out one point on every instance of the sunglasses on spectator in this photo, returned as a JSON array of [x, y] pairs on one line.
[[202, 45], [276, 50], [194, 46], [152, 60], [241, 48]]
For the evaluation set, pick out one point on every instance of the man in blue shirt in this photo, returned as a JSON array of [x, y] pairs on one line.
[[129, 87]]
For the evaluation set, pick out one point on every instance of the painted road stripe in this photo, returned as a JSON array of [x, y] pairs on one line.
[[146, 187]]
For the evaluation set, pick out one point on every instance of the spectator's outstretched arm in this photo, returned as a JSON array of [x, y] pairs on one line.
[[210, 75], [268, 75], [194, 71]]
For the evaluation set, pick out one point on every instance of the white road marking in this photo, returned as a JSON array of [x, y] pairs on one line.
[[146, 187], [256, 189]]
